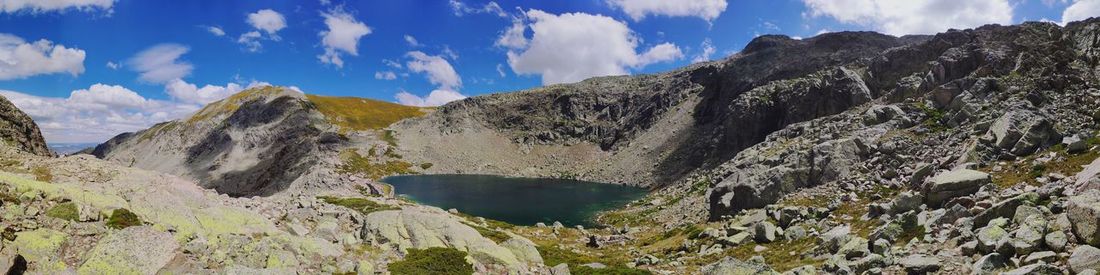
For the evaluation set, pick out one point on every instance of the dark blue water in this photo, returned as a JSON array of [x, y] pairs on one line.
[[522, 201]]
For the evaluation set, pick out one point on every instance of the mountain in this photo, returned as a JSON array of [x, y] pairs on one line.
[[19, 130]]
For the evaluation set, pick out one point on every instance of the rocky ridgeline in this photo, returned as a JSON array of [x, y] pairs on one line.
[[19, 130]]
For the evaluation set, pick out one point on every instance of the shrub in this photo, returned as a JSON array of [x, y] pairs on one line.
[[425, 165], [435, 260], [65, 211], [123, 218]]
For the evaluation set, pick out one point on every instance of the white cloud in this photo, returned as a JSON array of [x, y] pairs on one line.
[[190, 93], [500, 70], [216, 31], [438, 70], [391, 63], [19, 59], [12, 6], [913, 16], [112, 65], [435, 98], [268, 21], [449, 53], [342, 35], [409, 39], [1081, 10], [251, 41], [573, 46], [461, 9], [96, 113], [707, 49], [161, 64], [514, 36], [387, 75], [639, 9]]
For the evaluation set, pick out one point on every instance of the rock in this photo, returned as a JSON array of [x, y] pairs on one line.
[[1056, 241], [1041, 257], [879, 114], [989, 236], [1021, 132], [854, 248], [424, 227], [1074, 144], [1035, 269], [133, 250], [1027, 239], [736, 240], [836, 237], [1004, 209], [1084, 214], [557, 225], [524, 249], [881, 246], [802, 270], [794, 233], [595, 265], [905, 202], [1023, 212], [1084, 257], [920, 264], [764, 232], [560, 269], [989, 263], [41, 246], [327, 229], [867, 263], [730, 265], [19, 130], [364, 268], [954, 183], [923, 171]]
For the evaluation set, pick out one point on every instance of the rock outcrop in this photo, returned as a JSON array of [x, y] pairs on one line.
[[19, 130]]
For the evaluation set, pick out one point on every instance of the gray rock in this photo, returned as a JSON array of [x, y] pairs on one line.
[[923, 171], [989, 263], [1056, 241], [1084, 257], [1004, 209], [1084, 214], [1035, 269], [560, 269], [869, 262], [855, 248], [905, 202], [954, 183], [836, 237], [1074, 144], [764, 232], [133, 250], [1023, 212], [1027, 239], [730, 265], [794, 233], [881, 246], [920, 264], [1021, 132], [736, 240], [425, 227], [879, 114], [802, 270], [989, 236], [1041, 257]]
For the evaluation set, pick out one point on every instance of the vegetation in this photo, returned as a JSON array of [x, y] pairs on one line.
[[1028, 169], [494, 235], [552, 256], [65, 211], [352, 113], [354, 163], [435, 260], [123, 218], [388, 137], [362, 205], [41, 173], [229, 104], [426, 165], [933, 117]]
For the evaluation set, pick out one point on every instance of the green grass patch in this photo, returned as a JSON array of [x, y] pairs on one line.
[[354, 163], [353, 113], [65, 211], [1024, 171], [123, 218], [362, 205], [435, 260], [496, 236], [41, 173], [552, 256]]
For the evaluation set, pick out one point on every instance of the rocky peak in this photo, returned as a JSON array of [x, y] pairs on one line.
[[19, 130]]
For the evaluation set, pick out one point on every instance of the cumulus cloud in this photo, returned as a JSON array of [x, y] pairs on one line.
[[409, 39], [97, 113], [160, 64], [216, 31], [342, 35], [1081, 10], [20, 59], [387, 75], [190, 93], [912, 17], [435, 98], [461, 9], [706, 50], [268, 21], [639, 9], [251, 41], [438, 70], [573, 46], [12, 6], [514, 36]]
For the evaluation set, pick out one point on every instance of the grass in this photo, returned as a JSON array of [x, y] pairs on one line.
[[552, 256], [352, 113], [933, 117], [435, 260], [229, 104], [123, 218], [388, 137], [362, 205], [41, 173], [496, 236], [354, 163], [65, 211], [1026, 170]]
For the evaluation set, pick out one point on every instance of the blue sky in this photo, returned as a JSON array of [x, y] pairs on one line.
[[89, 69]]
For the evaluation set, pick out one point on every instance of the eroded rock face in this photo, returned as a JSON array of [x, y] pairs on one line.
[[19, 130]]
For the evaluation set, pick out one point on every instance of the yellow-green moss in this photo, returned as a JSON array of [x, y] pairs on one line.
[[40, 245], [66, 211], [123, 218], [41, 173], [362, 205], [362, 114]]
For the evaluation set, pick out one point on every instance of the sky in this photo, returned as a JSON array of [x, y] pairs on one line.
[[87, 70]]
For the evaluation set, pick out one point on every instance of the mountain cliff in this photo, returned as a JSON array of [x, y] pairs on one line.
[[19, 130]]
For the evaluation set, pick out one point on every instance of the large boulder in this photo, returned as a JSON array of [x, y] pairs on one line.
[[42, 249], [1021, 132], [424, 227], [731, 265], [951, 184], [1084, 257], [134, 250], [1084, 215]]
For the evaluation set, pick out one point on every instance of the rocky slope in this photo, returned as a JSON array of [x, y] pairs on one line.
[[19, 130]]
